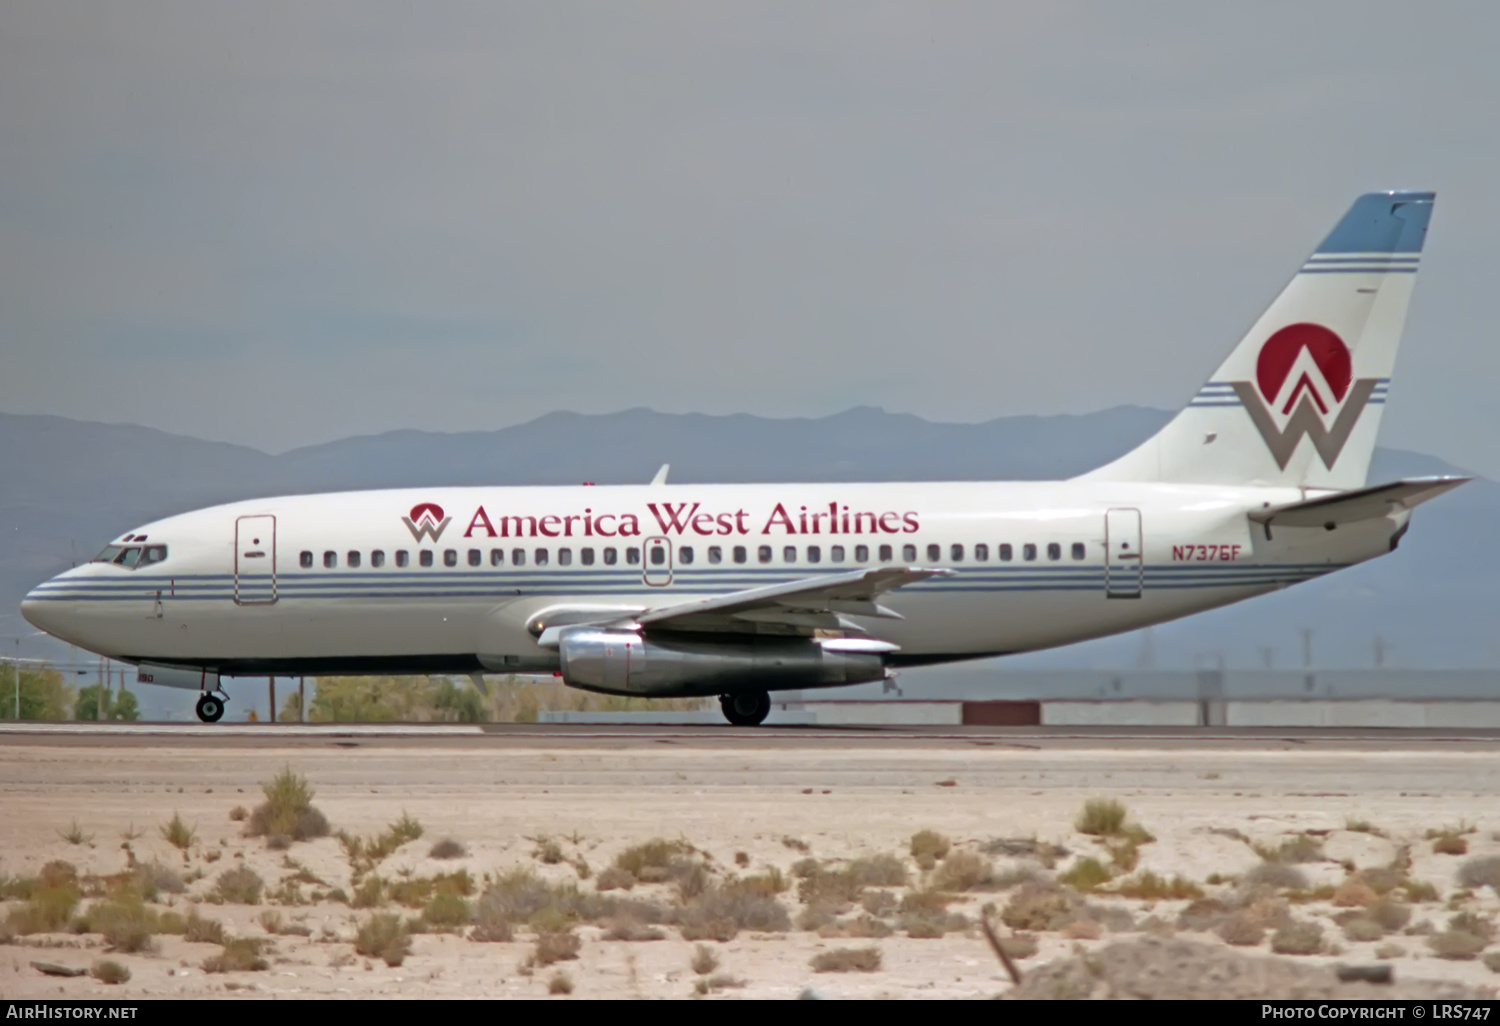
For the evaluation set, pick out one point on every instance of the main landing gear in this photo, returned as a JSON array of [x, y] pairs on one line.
[[210, 708], [746, 709]]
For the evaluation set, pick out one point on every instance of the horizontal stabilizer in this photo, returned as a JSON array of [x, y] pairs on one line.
[[1359, 504]]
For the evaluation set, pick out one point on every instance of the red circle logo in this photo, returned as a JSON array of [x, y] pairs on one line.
[[1279, 355]]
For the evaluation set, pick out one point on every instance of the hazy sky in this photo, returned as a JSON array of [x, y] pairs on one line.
[[280, 224]]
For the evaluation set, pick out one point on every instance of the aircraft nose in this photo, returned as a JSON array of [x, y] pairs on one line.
[[41, 613]]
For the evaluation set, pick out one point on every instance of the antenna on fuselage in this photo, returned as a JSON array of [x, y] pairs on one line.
[[661, 475]]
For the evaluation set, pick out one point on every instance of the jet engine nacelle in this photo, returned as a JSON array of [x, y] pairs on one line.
[[625, 663]]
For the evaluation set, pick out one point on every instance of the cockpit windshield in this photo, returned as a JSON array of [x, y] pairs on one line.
[[132, 556]]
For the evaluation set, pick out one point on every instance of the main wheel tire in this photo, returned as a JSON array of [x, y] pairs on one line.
[[747, 709], [210, 708]]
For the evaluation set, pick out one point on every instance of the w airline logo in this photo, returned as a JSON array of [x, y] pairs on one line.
[[426, 521], [1304, 376]]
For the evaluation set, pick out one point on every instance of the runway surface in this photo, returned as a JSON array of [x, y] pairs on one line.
[[434, 735]]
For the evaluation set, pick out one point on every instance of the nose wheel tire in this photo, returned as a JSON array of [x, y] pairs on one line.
[[747, 709], [210, 708]]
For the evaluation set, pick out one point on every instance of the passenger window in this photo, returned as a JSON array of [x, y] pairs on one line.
[[402, 558], [835, 553], [715, 554], [497, 557], [763, 553], [981, 553], [1078, 550], [353, 558], [909, 553], [425, 558], [307, 560], [330, 559], [814, 554], [956, 553], [1028, 552], [1006, 553], [633, 556], [861, 553], [740, 555], [934, 553], [517, 557], [564, 557], [610, 556], [658, 555], [475, 557], [886, 554], [1054, 550], [377, 557], [789, 554], [450, 557], [586, 557], [685, 554], [540, 557]]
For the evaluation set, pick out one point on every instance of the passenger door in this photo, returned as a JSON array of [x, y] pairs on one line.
[[1124, 566], [657, 564], [255, 560]]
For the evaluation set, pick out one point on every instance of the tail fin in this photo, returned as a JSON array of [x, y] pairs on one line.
[[1298, 402]]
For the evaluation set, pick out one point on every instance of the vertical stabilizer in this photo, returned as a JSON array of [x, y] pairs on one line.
[[1298, 402]]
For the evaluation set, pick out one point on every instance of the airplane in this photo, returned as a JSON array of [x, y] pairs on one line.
[[737, 591]]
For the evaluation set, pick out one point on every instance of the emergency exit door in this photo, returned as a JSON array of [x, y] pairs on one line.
[[1124, 566], [255, 560]]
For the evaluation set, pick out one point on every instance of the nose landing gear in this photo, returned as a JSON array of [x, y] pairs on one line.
[[210, 708], [746, 709]]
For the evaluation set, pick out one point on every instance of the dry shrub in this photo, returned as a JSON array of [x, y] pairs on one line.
[[1456, 944], [927, 846], [1277, 876], [1363, 826], [419, 891], [1102, 817], [556, 946], [1150, 887], [1492, 961], [1472, 922], [614, 878], [238, 814], [385, 936], [882, 870], [815, 919], [658, 860], [447, 848], [178, 834], [1363, 929], [1450, 844], [1202, 914], [704, 960], [288, 811], [929, 924], [1419, 890], [1037, 906], [126, 924], [835, 890], [720, 912], [238, 886], [962, 871], [270, 921], [1389, 913], [1382, 879], [109, 971], [796, 844], [866, 928], [490, 925], [242, 954], [548, 851], [561, 983], [878, 903], [202, 931], [766, 884], [155, 879], [718, 981], [447, 912], [1085, 874], [847, 960], [1298, 938], [1240, 930], [1481, 872], [1353, 893]]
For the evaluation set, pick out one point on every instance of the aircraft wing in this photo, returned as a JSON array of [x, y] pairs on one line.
[[1358, 504], [805, 605]]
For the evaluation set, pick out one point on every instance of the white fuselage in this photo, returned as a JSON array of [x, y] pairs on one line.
[[448, 579]]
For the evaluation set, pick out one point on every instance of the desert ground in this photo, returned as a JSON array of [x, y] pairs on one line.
[[732, 864]]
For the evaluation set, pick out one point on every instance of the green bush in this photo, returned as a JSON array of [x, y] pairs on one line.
[[239, 886], [385, 936]]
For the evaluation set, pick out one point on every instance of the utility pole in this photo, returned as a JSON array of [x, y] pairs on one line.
[[273, 698], [101, 689], [1307, 659], [301, 699]]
